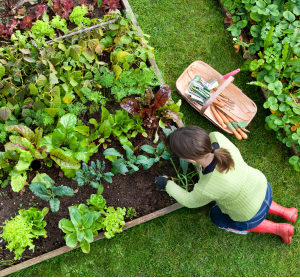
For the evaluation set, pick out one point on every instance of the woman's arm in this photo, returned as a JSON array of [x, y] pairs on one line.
[[191, 199]]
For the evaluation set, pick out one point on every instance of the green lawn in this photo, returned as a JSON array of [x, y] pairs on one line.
[[186, 243]]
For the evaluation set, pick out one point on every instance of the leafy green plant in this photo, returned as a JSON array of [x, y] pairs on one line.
[[274, 31], [93, 174], [43, 187], [122, 165], [77, 16], [113, 221], [119, 163], [159, 152], [20, 231], [120, 125], [69, 143], [82, 227], [59, 23], [23, 150], [131, 213]]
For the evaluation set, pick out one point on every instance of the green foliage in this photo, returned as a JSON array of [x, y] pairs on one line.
[[113, 221], [43, 187], [131, 213], [120, 125], [59, 23], [69, 143], [122, 165], [275, 30], [20, 231], [41, 29], [85, 222], [77, 16], [93, 174], [21, 150], [119, 163], [133, 82], [82, 227]]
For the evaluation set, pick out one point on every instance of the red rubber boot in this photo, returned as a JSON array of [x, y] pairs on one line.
[[284, 230], [289, 214]]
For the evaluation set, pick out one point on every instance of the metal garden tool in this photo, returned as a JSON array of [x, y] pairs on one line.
[[213, 82]]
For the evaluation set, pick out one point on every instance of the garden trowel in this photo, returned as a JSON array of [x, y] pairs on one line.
[[213, 82]]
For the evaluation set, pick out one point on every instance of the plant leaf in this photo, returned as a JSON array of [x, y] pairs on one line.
[[39, 189], [71, 240], [148, 149], [162, 96], [63, 190], [131, 105], [23, 130], [54, 205], [66, 225]]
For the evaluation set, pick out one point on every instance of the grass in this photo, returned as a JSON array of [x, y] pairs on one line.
[[185, 242]]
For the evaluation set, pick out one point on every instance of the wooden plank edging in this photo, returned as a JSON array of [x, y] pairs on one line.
[[66, 249]]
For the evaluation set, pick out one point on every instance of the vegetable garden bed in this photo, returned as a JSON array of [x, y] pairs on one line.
[[134, 190]]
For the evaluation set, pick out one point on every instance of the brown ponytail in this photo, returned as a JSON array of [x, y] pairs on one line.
[[193, 142]]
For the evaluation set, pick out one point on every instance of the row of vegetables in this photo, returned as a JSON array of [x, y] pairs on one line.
[[268, 32]]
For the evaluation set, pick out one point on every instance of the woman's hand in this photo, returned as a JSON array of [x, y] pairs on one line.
[[161, 182]]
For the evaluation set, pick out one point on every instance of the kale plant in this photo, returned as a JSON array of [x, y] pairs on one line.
[[43, 187], [93, 174]]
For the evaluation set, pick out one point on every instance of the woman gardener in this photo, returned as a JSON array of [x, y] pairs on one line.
[[242, 193]]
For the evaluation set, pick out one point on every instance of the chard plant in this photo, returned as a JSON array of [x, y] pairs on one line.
[[93, 175], [43, 187], [20, 231], [68, 144], [20, 152], [153, 108]]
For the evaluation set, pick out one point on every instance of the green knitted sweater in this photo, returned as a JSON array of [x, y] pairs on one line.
[[239, 193]]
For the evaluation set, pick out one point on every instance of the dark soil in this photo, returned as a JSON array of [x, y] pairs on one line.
[[137, 190]]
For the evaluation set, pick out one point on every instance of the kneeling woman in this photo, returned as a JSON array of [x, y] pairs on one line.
[[242, 194]]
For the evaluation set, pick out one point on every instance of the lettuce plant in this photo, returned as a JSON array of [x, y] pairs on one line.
[[77, 16], [20, 231], [85, 222]]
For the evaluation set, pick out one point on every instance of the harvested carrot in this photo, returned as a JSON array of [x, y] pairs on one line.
[[229, 125], [217, 116], [243, 134], [219, 103]]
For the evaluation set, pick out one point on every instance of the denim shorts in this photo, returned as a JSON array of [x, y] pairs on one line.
[[223, 220]]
